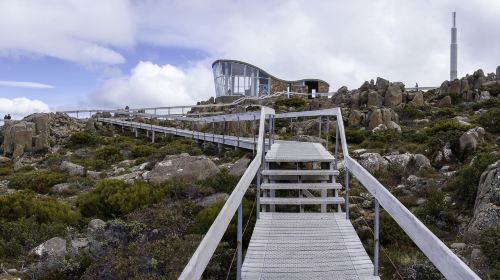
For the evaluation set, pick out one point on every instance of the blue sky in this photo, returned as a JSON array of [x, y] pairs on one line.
[[108, 54]]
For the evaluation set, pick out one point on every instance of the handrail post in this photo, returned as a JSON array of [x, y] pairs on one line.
[[223, 130], [319, 127], [376, 237], [239, 244], [238, 129], [257, 204], [337, 145], [346, 193], [253, 132]]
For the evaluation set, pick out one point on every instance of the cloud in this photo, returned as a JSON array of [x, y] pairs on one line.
[[21, 106], [24, 84], [83, 31], [343, 42], [150, 84]]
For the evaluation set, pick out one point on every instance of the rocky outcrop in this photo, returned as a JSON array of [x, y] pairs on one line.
[[487, 205], [37, 132], [393, 96], [416, 99], [355, 118], [212, 199], [239, 167], [445, 101], [182, 168], [383, 116], [444, 156], [471, 139], [373, 162]]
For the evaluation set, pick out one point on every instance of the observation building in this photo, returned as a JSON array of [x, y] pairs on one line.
[[238, 78]]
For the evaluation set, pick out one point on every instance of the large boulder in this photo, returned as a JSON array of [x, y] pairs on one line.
[[381, 85], [373, 162], [355, 118], [471, 139], [239, 167], [182, 168], [492, 87], [418, 99], [393, 96], [374, 118], [444, 156], [18, 137], [487, 206], [212, 199], [498, 73], [455, 87], [72, 169], [374, 99], [445, 101]]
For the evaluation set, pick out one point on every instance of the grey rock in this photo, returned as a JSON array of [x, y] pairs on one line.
[[458, 246], [393, 96], [374, 118], [4, 160], [374, 99], [485, 95], [213, 199], [52, 248], [182, 167], [421, 161], [462, 120], [418, 99], [471, 139], [60, 188], [400, 161], [445, 101], [96, 175], [381, 85], [475, 254], [72, 168], [79, 244], [239, 167], [373, 162], [96, 224], [486, 212], [393, 125], [355, 118], [444, 156]]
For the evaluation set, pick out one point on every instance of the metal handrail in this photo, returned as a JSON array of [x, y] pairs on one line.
[[451, 266], [199, 261]]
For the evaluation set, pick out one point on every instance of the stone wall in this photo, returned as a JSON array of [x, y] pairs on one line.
[[278, 85], [323, 87]]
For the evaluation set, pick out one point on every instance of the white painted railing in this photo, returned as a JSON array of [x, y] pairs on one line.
[[451, 266], [199, 261]]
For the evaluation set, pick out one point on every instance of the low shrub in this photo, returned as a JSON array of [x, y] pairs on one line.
[[410, 112], [355, 136], [107, 155], [80, 138], [39, 181], [490, 120], [465, 183], [295, 102], [444, 126], [221, 182], [113, 198], [486, 104], [388, 136], [6, 168], [181, 146], [143, 151], [26, 221], [490, 242]]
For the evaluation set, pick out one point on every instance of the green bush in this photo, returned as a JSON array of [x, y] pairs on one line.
[[113, 198], [181, 146], [467, 179], [487, 104], [388, 136], [6, 168], [106, 156], [410, 112], [490, 242], [295, 102], [391, 233], [444, 126], [221, 182], [26, 221], [39, 181], [45, 210], [143, 151], [80, 138], [491, 120], [355, 136]]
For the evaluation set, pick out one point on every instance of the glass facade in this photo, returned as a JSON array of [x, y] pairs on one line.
[[239, 79]]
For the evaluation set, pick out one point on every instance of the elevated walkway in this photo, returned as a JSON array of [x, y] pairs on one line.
[[313, 242]]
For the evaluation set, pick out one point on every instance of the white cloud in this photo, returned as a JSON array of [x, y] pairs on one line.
[[21, 106], [343, 42], [24, 84], [151, 84], [83, 31]]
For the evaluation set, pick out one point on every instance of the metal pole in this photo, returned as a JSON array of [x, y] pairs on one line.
[[223, 130], [346, 193], [376, 236], [253, 132], [327, 130], [337, 144], [152, 136], [239, 242], [258, 195], [319, 127], [238, 128]]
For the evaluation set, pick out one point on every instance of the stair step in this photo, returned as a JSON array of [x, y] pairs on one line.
[[301, 200], [302, 172], [298, 152], [298, 186]]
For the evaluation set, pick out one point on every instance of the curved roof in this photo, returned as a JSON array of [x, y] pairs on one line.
[[272, 76]]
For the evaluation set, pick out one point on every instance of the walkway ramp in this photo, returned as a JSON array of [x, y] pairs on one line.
[[301, 232]]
